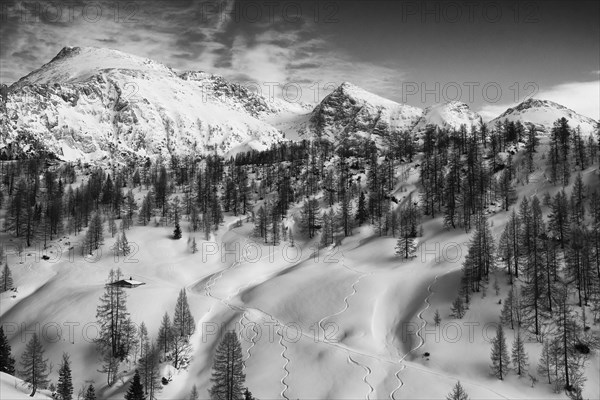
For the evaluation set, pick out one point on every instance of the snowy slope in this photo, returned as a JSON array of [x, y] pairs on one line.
[[90, 103], [13, 388], [352, 321], [542, 114], [449, 115]]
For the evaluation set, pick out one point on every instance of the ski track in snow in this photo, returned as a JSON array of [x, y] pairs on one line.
[[252, 339], [244, 310], [346, 306], [207, 289], [421, 339], [215, 277], [361, 275], [418, 333], [287, 361], [368, 371]]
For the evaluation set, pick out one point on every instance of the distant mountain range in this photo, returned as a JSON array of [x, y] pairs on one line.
[[96, 103]]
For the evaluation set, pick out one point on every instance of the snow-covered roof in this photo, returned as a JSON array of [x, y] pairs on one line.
[[133, 282], [128, 282]]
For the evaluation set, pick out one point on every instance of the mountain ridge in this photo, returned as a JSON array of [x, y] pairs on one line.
[[97, 103]]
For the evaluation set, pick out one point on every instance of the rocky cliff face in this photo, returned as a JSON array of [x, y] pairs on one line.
[[354, 110]]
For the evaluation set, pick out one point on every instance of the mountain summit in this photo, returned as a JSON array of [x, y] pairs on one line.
[[542, 114], [93, 103], [450, 115], [353, 109]]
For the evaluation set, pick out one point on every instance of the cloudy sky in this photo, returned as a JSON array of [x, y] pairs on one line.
[[488, 54]]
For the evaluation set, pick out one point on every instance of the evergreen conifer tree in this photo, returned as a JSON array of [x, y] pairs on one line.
[[90, 393], [500, 359], [35, 366], [6, 281], [457, 393], [136, 389], [458, 307], [183, 321], [519, 356], [65, 383], [7, 362], [227, 376]]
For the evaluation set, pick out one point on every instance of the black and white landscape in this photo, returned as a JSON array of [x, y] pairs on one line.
[[299, 200]]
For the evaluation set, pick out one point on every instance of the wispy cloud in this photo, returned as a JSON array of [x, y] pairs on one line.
[[272, 53], [153, 29]]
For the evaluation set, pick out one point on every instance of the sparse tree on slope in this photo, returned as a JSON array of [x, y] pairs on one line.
[[177, 231], [194, 393], [505, 250], [227, 376], [511, 310], [457, 393], [361, 212], [124, 247], [110, 367], [6, 282], [112, 317], [183, 321], [500, 359], [164, 334], [546, 363], [570, 362], [90, 393], [7, 363], [310, 217], [94, 237], [519, 356], [405, 247], [136, 390], [35, 366], [458, 307], [65, 383], [559, 217], [149, 370]]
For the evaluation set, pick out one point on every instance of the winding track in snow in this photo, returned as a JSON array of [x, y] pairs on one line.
[[346, 306], [244, 310], [211, 282], [287, 361], [361, 275], [348, 350], [215, 277], [252, 339], [418, 333], [368, 371]]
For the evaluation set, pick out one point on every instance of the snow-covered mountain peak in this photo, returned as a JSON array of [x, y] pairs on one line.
[[542, 114], [78, 64], [360, 95], [533, 103], [352, 109], [92, 103], [450, 115]]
